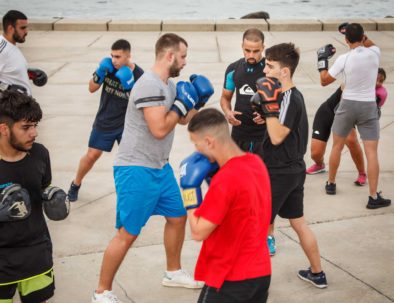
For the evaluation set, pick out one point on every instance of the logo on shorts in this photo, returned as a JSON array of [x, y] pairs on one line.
[[246, 90], [316, 132]]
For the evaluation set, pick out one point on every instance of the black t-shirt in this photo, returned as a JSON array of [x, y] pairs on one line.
[[113, 102], [241, 77], [25, 245], [288, 157]]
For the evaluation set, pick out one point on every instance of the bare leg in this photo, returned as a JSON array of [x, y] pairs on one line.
[[174, 235], [335, 157], [113, 257], [371, 152], [318, 148], [86, 163], [355, 150], [308, 243]]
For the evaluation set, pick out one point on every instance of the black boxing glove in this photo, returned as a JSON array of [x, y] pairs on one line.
[[14, 203], [55, 203], [323, 54], [265, 100], [38, 76]]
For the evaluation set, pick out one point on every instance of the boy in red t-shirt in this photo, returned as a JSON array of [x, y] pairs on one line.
[[234, 263]]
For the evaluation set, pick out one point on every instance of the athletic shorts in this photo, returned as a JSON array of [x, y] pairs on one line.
[[255, 147], [104, 140], [142, 192], [362, 114], [287, 195], [36, 289], [246, 291], [322, 123]]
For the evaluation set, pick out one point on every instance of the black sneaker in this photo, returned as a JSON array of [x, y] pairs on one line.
[[331, 188], [378, 202], [319, 280], [73, 192]]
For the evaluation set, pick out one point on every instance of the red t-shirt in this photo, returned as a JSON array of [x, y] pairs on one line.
[[239, 202]]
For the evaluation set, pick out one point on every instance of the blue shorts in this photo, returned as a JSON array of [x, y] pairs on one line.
[[104, 140], [142, 192]]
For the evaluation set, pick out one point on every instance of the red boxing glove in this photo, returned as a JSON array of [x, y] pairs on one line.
[[381, 95]]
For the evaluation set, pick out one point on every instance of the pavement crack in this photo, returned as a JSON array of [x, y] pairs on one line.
[[58, 70], [124, 291], [94, 200], [218, 47], [95, 40], [342, 269]]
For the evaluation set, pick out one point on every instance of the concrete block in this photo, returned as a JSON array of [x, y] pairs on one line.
[[81, 25], [332, 24], [240, 25], [135, 25], [384, 24], [294, 25], [188, 25], [42, 24]]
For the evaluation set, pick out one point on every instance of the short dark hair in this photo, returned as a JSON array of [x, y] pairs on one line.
[[121, 44], [253, 34], [354, 32], [16, 106], [11, 17], [205, 119], [286, 54], [168, 41], [382, 72]]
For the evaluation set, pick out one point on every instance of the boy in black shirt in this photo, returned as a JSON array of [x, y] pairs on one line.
[[117, 75], [25, 244], [284, 147]]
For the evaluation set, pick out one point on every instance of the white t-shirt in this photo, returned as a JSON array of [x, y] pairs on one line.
[[13, 65], [359, 67]]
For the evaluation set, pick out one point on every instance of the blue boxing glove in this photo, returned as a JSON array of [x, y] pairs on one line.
[[104, 68], [203, 87], [194, 169], [186, 98], [126, 77]]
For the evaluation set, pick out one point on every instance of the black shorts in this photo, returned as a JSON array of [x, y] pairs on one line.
[[246, 291], [322, 123], [287, 195], [32, 290], [255, 147]]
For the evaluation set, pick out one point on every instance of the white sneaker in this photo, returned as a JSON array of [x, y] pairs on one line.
[[106, 297], [180, 278]]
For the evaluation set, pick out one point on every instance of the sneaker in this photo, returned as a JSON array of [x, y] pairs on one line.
[[361, 179], [319, 280], [378, 202], [271, 245], [73, 192], [331, 188], [106, 297], [315, 169], [180, 278]]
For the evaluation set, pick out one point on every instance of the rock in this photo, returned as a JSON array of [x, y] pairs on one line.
[[257, 15]]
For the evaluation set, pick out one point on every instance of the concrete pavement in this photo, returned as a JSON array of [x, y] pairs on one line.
[[356, 244]]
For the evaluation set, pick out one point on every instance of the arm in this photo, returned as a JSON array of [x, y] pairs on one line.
[[276, 131], [225, 104], [190, 115], [160, 121], [200, 227], [93, 86], [325, 78]]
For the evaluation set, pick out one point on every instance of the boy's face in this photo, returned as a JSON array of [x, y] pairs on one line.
[[21, 135], [202, 145], [273, 69], [120, 58], [380, 80]]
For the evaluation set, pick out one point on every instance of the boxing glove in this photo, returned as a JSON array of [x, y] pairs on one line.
[[194, 169], [126, 77], [38, 76], [381, 95], [342, 28], [102, 70], [204, 89], [55, 203], [14, 203], [265, 100], [323, 54], [186, 98]]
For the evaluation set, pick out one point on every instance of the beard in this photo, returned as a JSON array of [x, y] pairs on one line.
[[174, 69], [251, 61], [18, 38], [19, 146]]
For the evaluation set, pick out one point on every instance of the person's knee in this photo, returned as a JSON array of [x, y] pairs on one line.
[[125, 237], [179, 222], [93, 155]]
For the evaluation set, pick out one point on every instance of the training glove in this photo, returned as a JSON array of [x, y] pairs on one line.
[[323, 54], [103, 69], [126, 77], [14, 203], [186, 98], [204, 89], [55, 203], [38, 76], [265, 100]]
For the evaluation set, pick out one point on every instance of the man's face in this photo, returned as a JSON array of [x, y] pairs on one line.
[[179, 60], [23, 135], [253, 51], [120, 58], [272, 69], [19, 31]]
